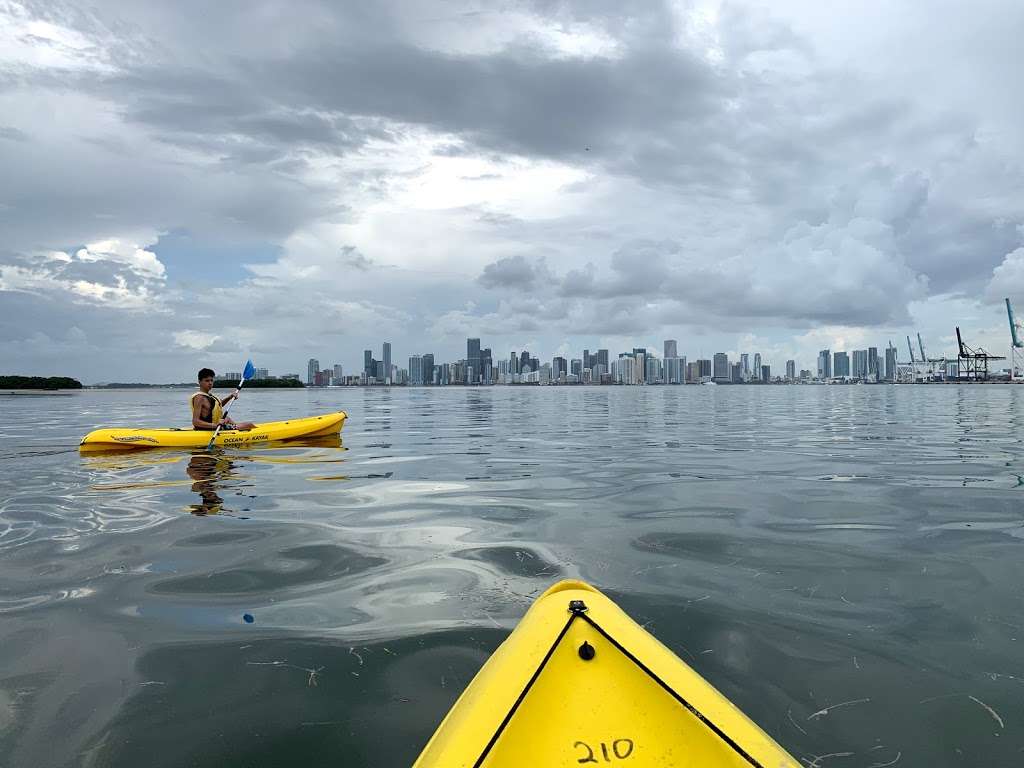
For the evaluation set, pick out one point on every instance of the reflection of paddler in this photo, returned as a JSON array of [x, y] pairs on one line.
[[206, 469]]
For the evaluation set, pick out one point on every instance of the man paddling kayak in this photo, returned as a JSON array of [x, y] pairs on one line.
[[207, 409]]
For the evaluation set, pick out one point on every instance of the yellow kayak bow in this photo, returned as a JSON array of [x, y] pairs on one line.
[[578, 683]]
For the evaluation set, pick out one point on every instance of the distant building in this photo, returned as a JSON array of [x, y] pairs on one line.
[[486, 366], [703, 370], [416, 370], [766, 374], [576, 368], [692, 372], [720, 368], [312, 369], [859, 369], [745, 363], [260, 374], [841, 365], [602, 359], [756, 372], [654, 371], [524, 361], [736, 371], [890, 363], [873, 372], [791, 370], [671, 348], [339, 374], [825, 364], [675, 370], [387, 362], [472, 361], [559, 369], [428, 368]]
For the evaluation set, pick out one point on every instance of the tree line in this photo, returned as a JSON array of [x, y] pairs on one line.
[[39, 382]]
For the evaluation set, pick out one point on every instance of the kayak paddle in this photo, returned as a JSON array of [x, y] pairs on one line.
[[247, 374]]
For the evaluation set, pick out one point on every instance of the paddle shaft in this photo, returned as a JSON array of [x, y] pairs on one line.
[[224, 415]]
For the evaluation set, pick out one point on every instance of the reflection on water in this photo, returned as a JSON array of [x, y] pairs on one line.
[[844, 562], [208, 471]]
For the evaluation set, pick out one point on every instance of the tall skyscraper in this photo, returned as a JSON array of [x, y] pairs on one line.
[[338, 373], [890, 363], [745, 362], [486, 365], [415, 370], [859, 369], [312, 369], [576, 368], [472, 361], [825, 364], [791, 370], [840, 364], [671, 348], [655, 371], [513, 363], [558, 368], [873, 372], [368, 366], [720, 369], [428, 368], [524, 360], [704, 369], [602, 359], [387, 362], [673, 374], [757, 366], [766, 374]]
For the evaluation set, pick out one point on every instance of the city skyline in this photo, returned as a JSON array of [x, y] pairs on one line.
[[637, 366]]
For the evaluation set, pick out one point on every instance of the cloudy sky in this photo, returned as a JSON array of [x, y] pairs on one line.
[[193, 183]]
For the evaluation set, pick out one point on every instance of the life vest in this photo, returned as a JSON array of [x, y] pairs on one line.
[[217, 413]]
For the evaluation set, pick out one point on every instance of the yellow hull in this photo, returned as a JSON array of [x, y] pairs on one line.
[[582, 683], [261, 434]]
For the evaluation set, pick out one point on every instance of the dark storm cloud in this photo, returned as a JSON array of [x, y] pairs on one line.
[[513, 273], [351, 257], [12, 134], [763, 284], [217, 109], [516, 101]]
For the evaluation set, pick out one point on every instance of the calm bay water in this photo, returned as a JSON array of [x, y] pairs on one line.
[[845, 563]]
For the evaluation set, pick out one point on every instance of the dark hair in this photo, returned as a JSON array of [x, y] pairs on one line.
[[204, 372]]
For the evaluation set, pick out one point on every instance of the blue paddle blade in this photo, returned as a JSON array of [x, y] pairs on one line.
[[249, 370]]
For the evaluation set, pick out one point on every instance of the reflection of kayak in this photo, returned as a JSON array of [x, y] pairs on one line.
[[579, 682], [270, 432]]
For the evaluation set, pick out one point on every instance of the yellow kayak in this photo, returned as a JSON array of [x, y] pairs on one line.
[[262, 434], [578, 682]]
